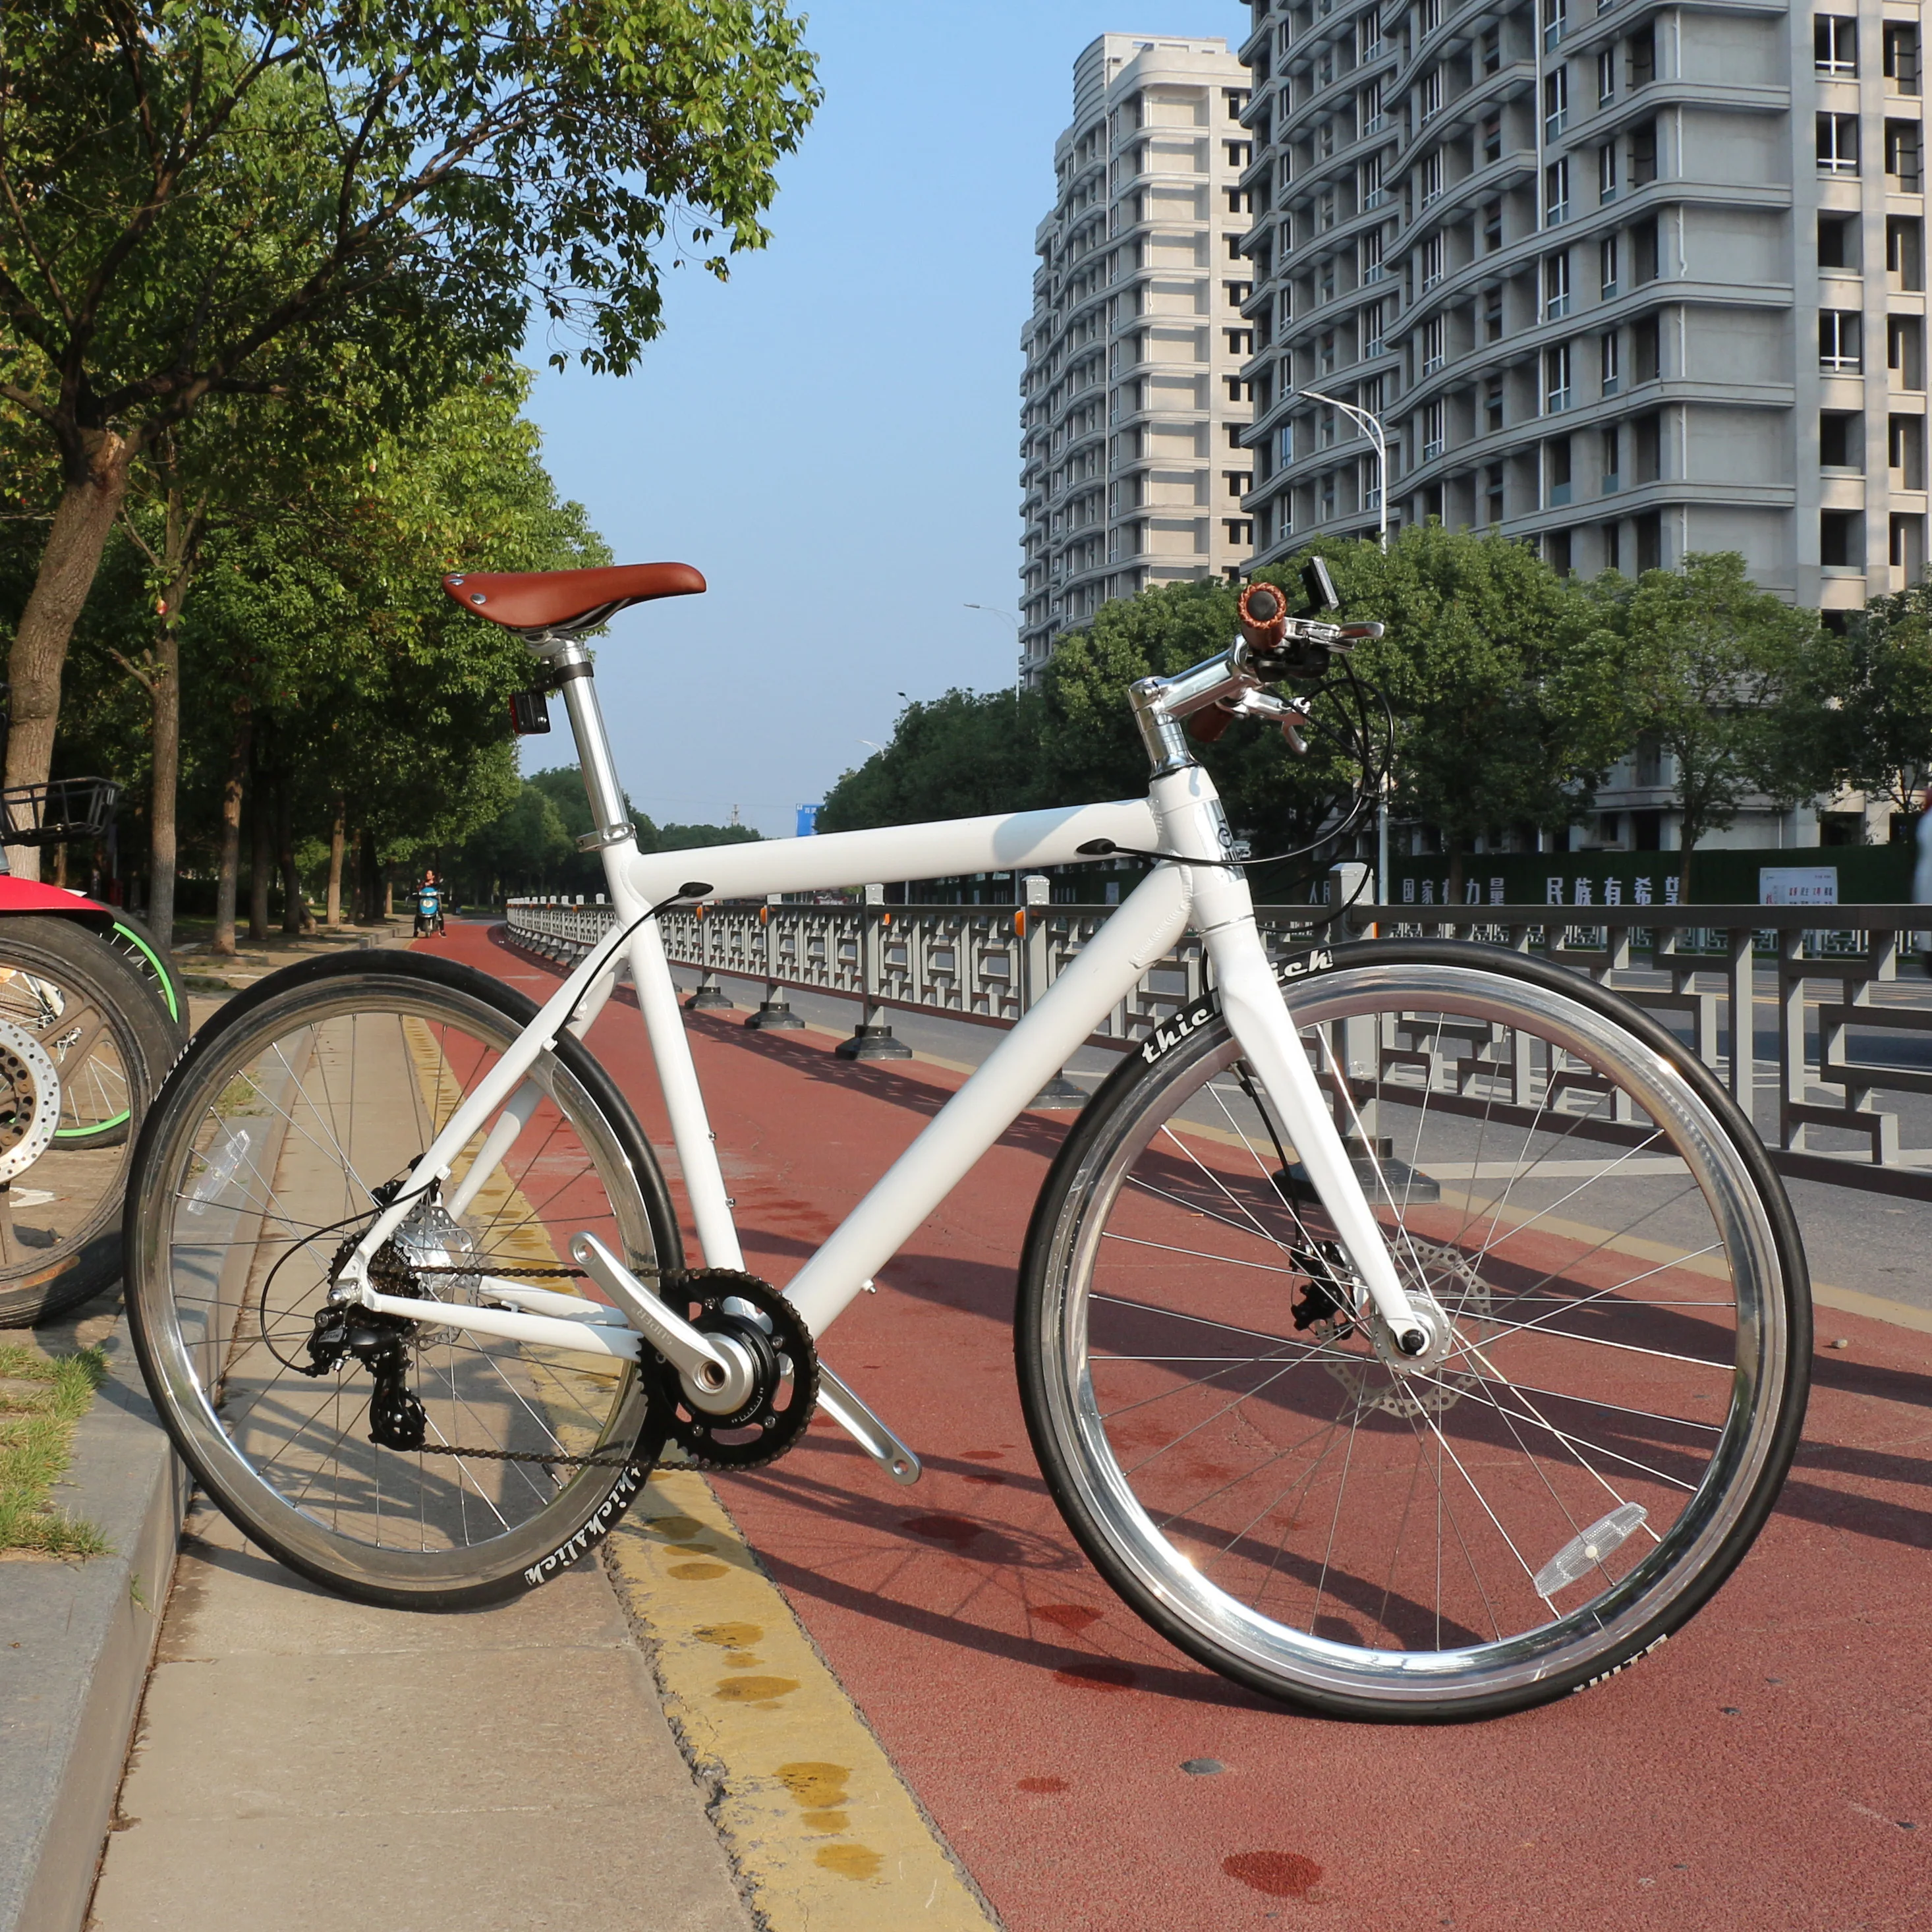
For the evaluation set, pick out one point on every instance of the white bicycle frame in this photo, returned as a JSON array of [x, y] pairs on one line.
[[1181, 815]]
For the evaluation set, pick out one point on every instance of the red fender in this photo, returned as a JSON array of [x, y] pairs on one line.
[[30, 895]]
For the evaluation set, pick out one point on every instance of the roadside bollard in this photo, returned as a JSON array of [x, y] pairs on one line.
[[775, 1014], [1031, 927], [708, 998], [872, 1037]]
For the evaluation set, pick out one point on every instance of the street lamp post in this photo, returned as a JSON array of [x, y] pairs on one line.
[[993, 610], [1370, 424]]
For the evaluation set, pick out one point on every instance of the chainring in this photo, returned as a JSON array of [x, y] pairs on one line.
[[785, 1388]]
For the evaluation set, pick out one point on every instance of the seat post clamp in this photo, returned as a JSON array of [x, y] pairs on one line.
[[604, 835]]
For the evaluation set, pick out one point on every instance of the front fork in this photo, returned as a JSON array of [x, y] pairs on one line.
[[1223, 913]]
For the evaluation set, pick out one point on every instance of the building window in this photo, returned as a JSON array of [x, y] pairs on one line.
[[1368, 108], [1837, 144], [1492, 315], [1556, 285], [1642, 57], [1371, 330], [1492, 479], [1901, 56], [1838, 439], [1431, 178], [1492, 51], [1837, 242], [1325, 507], [1368, 37], [1643, 154], [1432, 94], [1647, 450], [1606, 76], [1431, 261], [1612, 480], [1908, 547], [1492, 227], [1905, 252], [1428, 16], [1556, 192], [1556, 391], [1650, 541], [1904, 155], [1607, 267], [1492, 139], [1325, 353], [1555, 21], [1834, 46], [1838, 543], [1838, 349], [1905, 350], [1240, 530], [1431, 345], [1607, 354], [1493, 405], [1431, 432], [1647, 349], [1369, 182], [1285, 444], [1369, 257], [1556, 102], [1905, 451], [1606, 172], [1643, 248]]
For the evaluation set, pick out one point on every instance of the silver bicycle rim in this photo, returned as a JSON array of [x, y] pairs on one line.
[[1335, 1526], [312, 1103]]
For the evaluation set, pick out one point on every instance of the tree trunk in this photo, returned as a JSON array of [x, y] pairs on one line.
[[181, 534], [369, 895], [226, 878], [337, 829], [261, 851], [1452, 892], [294, 907], [85, 513]]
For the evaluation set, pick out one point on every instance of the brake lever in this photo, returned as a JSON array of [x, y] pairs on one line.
[[1206, 726]]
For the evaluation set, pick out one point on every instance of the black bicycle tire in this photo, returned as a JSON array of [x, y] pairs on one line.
[[519, 1010], [1115, 1098], [58, 947]]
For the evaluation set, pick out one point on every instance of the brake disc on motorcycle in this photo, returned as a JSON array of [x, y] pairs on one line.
[[726, 1302], [30, 1101]]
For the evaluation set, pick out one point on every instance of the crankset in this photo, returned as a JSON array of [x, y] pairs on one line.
[[772, 1413]]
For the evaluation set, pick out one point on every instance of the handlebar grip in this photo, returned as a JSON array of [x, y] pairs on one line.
[[1263, 614], [1206, 726]]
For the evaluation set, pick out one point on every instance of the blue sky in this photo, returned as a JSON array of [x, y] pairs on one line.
[[832, 437]]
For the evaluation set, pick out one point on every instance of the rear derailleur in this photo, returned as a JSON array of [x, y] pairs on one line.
[[380, 1342]]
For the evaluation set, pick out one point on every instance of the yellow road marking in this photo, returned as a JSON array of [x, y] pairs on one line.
[[823, 1831]]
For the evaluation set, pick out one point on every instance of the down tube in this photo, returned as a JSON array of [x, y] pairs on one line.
[[1107, 968]]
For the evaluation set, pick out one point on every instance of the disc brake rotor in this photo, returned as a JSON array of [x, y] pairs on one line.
[[30, 1100], [1448, 1276]]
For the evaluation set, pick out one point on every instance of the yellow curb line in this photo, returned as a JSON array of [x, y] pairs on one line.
[[820, 1828]]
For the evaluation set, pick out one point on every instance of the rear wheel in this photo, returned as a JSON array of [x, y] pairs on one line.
[[297, 1112], [1557, 1485], [107, 1046]]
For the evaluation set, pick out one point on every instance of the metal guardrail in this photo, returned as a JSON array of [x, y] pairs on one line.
[[1703, 969]]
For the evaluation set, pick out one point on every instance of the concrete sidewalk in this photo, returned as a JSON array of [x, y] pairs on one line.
[[305, 1762]]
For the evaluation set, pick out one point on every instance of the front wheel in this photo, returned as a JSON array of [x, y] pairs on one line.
[[1575, 1465]]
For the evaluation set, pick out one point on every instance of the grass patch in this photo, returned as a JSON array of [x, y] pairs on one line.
[[36, 1435]]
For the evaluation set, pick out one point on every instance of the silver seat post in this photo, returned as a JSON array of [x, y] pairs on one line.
[[611, 823]]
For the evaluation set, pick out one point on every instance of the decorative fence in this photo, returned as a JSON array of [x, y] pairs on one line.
[[1848, 1028]]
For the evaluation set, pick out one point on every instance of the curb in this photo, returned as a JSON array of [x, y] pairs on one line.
[[75, 1641]]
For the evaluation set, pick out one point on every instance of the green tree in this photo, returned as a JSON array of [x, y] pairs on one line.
[[1857, 708], [1704, 657], [202, 198], [957, 756]]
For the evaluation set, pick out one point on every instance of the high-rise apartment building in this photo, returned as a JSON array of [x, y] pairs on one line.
[[1629, 280], [1134, 473]]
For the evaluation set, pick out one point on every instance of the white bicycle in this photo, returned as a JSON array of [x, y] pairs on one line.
[[1414, 1330]]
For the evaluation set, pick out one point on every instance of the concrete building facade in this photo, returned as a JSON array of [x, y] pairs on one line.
[[1134, 403], [1627, 281]]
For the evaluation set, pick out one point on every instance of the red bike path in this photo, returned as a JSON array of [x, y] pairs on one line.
[[1769, 1766]]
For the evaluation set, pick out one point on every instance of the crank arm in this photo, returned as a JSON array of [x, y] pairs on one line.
[[865, 1429], [693, 1354]]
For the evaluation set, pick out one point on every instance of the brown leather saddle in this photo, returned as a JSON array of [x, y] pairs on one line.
[[567, 600]]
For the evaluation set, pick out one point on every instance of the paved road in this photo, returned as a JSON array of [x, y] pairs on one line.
[[1768, 1766]]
